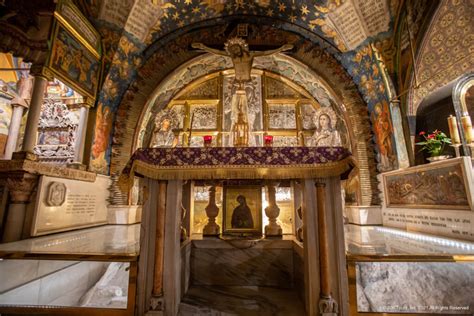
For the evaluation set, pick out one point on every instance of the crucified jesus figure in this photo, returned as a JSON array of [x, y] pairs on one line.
[[238, 50]]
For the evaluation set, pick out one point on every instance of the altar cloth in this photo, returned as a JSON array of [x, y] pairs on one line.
[[195, 163]]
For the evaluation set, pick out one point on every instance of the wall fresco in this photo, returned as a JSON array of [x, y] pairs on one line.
[[74, 61]]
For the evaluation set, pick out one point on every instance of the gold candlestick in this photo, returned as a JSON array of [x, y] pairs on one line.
[[453, 130], [467, 129]]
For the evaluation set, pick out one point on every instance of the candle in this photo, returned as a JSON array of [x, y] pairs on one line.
[[207, 140], [268, 140], [453, 130], [467, 128]]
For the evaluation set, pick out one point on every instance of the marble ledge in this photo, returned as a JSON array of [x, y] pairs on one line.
[[39, 168], [109, 242], [198, 241]]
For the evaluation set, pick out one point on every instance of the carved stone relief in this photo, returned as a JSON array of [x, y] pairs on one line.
[[56, 194], [56, 132]]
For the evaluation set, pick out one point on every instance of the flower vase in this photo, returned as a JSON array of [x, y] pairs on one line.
[[438, 158]]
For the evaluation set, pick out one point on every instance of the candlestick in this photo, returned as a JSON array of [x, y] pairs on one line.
[[453, 130], [268, 140], [467, 128], [207, 140]]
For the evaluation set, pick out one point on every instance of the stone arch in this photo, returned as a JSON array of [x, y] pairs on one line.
[[446, 51], [161, 64]]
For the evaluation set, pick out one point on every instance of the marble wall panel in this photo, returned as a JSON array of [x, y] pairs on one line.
[[234, 266], [298, 272], [415, 287], [185, 267]]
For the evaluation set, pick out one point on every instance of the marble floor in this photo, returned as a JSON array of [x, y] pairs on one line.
[[240, 300]]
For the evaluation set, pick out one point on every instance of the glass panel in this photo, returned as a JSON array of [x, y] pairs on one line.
[[110, 239], [253, 91], [307, 115], [205, 116], [401, 287], [284, 199], [180, 113], [64, 283], [282, 116], [285, 141], [391, 241], [201, 200]]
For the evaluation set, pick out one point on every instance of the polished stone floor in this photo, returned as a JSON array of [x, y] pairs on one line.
[[240, 300]]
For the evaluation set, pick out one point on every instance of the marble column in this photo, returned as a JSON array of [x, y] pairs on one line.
[[159, 239], [273, 229], [31, 131], [211, 228], [20, 186], [327, 305], [13, 130], [172, 249], [81, 134], [311, 256]]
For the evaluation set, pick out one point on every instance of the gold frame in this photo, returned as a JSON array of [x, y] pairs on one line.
[[230, 192], [61, 22]]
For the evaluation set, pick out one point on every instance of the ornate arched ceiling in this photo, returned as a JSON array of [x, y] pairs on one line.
[[344, 24], [447, 50], [175, 53]]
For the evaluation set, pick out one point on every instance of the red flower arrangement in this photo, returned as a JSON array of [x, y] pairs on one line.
[[434, 143]]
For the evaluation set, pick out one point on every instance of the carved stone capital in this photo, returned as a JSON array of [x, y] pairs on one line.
[[38, 70], [21, 185], [319, 183]]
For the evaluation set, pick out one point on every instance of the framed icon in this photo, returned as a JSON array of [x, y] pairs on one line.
[[242, 210]]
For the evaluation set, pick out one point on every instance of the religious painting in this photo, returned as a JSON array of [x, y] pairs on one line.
[[382, 125], [74, 63], [203, 116], [281, 116], [242, 212], [438, 185]]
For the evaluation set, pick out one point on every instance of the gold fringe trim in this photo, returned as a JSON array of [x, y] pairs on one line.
[[324, 170]]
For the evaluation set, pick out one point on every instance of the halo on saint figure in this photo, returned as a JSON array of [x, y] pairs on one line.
[[329, 112], [236, 41], [167, 114]]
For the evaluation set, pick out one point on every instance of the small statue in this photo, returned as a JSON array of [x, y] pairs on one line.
[[238, 50], [325, 134], [163, 135]]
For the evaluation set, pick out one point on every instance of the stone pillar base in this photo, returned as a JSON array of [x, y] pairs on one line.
[[273, 231], [364, 215], [124, 214], [24, 155], [211, 229]]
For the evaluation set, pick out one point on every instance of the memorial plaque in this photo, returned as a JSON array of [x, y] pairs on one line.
[[449, 223], [64, 204]]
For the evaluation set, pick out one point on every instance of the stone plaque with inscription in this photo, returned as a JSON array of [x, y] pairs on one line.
[[64, 204]]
